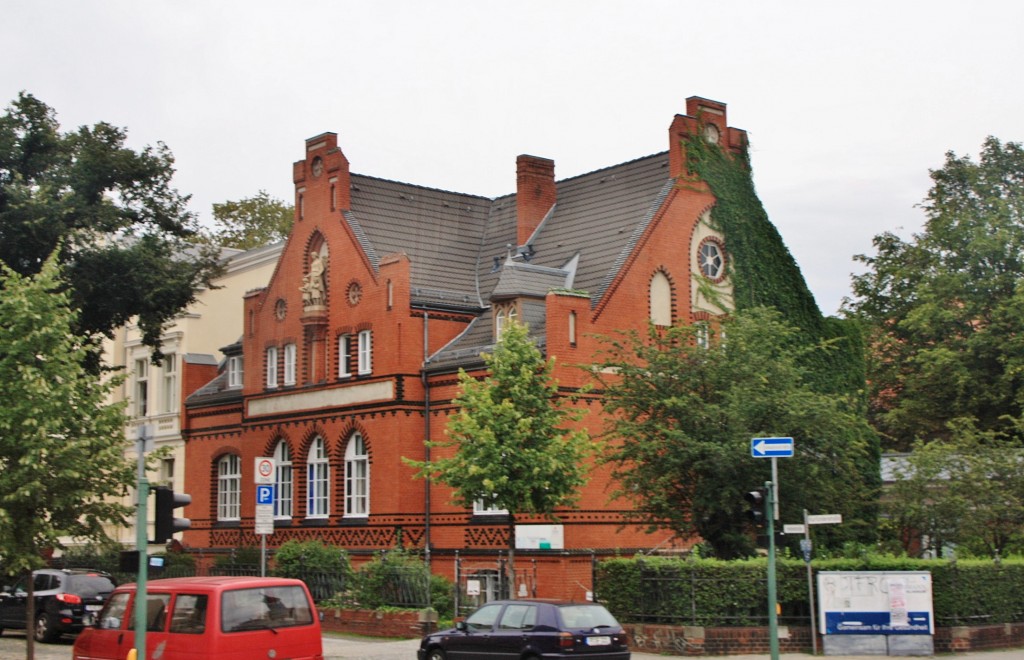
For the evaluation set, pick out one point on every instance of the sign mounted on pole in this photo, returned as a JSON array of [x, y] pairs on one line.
[[771, 447], [264, 470]]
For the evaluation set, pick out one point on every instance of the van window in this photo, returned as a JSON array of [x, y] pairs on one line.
[[156, 611], [267, 607], [113, 612], [189, 614]]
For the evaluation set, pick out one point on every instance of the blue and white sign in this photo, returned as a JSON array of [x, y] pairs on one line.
[[264, 494], [771, 447], [876, 603]]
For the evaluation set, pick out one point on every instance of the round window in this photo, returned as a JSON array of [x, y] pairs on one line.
[[711, 259]]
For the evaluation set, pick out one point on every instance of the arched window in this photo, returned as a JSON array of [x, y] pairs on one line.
[[318, 480], [661, 299], [357, 477], [283, 485], [229, 483]]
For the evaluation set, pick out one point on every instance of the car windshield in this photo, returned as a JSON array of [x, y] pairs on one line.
[[586, 616], [90, 586]]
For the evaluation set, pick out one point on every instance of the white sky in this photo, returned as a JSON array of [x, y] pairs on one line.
[[847, 104]]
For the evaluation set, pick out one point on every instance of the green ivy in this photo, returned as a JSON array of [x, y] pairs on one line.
[[764, 273]]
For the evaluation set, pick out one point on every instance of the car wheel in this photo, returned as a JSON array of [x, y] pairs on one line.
[[44, 630], [436, 654]]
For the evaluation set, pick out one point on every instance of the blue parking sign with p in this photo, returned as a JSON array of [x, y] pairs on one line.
[[264, 494]]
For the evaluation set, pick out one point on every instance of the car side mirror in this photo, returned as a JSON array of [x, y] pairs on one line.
[[461, 626]]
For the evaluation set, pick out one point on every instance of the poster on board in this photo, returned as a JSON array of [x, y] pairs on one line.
[[875, 603]]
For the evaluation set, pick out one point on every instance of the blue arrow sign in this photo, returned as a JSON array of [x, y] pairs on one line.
[[769, 447], [264, 494]]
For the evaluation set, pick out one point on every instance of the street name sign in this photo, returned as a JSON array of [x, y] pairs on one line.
[[794, 529], [825, 519], [771, 447]]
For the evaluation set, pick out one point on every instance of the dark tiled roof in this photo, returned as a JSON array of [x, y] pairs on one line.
[[518, 279], [439, 231]]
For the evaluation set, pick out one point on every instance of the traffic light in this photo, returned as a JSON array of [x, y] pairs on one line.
[[165, 524], [757, 504]]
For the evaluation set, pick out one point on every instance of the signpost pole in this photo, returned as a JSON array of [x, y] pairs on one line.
[[773, 617], [806, 546], [141, 545], [775, 484]]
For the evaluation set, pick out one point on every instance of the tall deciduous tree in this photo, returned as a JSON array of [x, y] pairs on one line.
[[62, 464], [124, 233], [945, 308], [511, 437], [683, 414], [252, 222]]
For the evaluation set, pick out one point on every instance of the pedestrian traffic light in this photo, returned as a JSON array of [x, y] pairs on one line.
[[165, 524], [756, 512]]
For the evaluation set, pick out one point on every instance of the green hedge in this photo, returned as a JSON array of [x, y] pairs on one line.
[[707, 592]]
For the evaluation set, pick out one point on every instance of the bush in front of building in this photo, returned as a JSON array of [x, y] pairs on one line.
[[325, 569], [399, 579], [709, 592]]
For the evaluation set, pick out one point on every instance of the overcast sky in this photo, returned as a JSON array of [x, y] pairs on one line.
[[847, 104]]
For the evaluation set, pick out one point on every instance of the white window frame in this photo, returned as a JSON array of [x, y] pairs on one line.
[[235, 372], [291, 357], [229, 485], [357, 478], [318, 480], [141, 387], [284, 483], [170, 393], [481, 508], [344, 356], [365, 357], [702, 334], [272, 368]]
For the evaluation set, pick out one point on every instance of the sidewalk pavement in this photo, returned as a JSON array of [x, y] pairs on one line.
[[348, 648]]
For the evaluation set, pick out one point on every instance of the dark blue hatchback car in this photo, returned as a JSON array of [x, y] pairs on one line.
[[514, 629]]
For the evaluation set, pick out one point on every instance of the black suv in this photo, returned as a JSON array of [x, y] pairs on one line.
[[514, 629], [63, 597]]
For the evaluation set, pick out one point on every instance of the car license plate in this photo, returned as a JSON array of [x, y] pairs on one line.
[[602, 640], [93, 608]]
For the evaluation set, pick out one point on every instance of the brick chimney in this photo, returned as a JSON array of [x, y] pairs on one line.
[[535, 194]]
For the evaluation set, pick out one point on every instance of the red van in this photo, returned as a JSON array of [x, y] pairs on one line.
[[201, 618]]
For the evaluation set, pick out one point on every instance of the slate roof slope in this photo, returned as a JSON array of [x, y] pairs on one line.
[[440, 231], [599, 216]]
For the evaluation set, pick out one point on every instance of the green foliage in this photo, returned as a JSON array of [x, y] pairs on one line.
[[683, 417], [715, 593], [62, 464], [944, 309], [764, 273], [966, 492], [245, 556], [294, 558], [111, 214], [511, 445], [399, 579], [251, 222]]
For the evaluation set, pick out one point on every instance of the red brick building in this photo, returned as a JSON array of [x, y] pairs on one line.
[[348, 358]]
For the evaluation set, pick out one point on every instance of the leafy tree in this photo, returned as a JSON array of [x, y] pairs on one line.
[[252, 222], [967, 491], [62, 465], [681, 418], [512, 446], [944, 309], [122, 231]]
